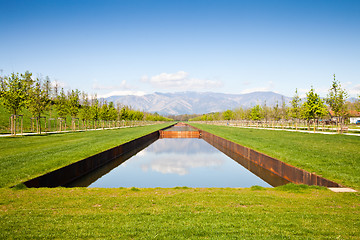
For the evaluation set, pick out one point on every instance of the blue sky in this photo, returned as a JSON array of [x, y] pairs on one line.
[[109, 47]]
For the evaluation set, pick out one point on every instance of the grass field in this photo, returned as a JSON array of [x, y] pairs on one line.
[[23, 158], [286, 212], [336, 157], [282, 213]]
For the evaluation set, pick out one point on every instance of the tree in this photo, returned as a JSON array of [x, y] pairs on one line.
[[256, 113], [228, 115], [84, 112], [13, 94], [276, 112], [295, 108], [357, 104], [104, 112], [314, 107], [336, 99], [61, 106], [38, 101], [94, 110], [73, 101]]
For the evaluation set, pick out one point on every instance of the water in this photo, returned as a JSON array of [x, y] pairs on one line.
[[172, 162]]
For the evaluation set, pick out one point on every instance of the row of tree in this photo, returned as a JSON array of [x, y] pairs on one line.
[[311, 108], [19, 91]]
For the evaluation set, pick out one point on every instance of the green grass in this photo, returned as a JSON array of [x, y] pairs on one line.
[[5, 120], [23, 158], [60, 213], [286, 212], [336, 157]]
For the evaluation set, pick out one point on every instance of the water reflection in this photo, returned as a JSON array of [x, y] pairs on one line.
[[179, 162]]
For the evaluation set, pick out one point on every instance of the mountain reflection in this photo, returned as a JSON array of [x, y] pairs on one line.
[[186, 146]]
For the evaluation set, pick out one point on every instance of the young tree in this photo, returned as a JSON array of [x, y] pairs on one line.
[[38, 101], [112, 112], [228, 115], [94, 110], [73, 102], [336, 99], [13, 94], [62, 106], [256, 113], [73, 105], [104, 112], [295, 108], [357, 104], [276, 115], [84, 112], [314, 107]]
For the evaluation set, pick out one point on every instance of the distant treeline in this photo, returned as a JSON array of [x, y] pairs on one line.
[[19, 91], [310, 108]]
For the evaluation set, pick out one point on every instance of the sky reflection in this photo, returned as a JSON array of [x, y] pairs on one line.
[[172, 162]]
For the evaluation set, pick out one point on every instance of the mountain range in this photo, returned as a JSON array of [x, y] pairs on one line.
[[196, 102]]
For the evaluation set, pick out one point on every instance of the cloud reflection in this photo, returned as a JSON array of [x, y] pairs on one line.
[[181, 165]]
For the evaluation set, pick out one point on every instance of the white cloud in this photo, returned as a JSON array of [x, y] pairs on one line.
[[123, 85], [181, 165], [121, 93], [180, 81]]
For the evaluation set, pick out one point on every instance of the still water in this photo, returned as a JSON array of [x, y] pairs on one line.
[[172, 162]]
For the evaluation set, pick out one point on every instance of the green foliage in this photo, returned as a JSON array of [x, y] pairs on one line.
[[256, 113], [62, 104], [313, 107], [38, 99], [13, 91], [336, 98], [357, 104], [94, 109], [228, 115], [73, 102], [295, 109], [84, 112]]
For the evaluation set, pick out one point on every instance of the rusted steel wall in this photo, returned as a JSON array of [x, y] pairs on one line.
[[284, 170], [69, 173], [179, 134]]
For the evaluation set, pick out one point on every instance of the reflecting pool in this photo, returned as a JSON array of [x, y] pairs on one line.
[[172, 162]]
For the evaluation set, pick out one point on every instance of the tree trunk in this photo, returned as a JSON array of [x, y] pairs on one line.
[[314, 126]]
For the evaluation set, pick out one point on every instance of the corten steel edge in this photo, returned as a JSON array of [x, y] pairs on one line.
[[69, 173], [284, 170], [179, 134]]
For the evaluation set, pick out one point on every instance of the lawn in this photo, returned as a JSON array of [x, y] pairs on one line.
[[286, 212], [336, 157], [290, 212], [23, 158]]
